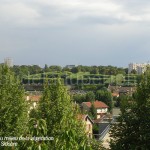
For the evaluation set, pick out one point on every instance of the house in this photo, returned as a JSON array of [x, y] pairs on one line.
[[127, 91], [34, 99], [113, 89], [121, 90], [88, 124], [101, 107]]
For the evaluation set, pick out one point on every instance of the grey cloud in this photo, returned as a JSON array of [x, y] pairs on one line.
[[42, 12], [99, 20]]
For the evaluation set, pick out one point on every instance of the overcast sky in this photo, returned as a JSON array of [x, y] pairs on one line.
[[81, 32]]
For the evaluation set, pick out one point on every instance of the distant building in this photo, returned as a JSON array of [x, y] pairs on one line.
[[8, 61], [121, 90], [139, 68], [70, 66]]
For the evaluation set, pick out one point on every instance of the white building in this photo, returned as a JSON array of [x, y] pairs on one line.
[[139, 68], [8, 61]]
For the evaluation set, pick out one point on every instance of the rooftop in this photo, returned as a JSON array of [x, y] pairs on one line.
[[97, 104]]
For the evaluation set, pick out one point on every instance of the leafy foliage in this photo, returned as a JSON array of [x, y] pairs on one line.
[[93, 111], [79, 98], [13, 107], [132, 130], [61, 118], [105, 96], [90, 96]]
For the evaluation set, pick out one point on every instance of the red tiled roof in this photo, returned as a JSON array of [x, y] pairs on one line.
[[35, 98], [97, 104]]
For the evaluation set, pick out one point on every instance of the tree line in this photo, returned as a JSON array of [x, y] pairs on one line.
[[35, 69]]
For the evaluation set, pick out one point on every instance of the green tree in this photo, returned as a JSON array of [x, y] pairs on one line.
[[122, 99], [90, 96], [94, 70], [93, 112], [104, 96], [61, 118], [75, 69], [55, 68], [37, 128], [134, 71], [13, 107], [132, 130], [46, 68], [34, 69], [79, 98]]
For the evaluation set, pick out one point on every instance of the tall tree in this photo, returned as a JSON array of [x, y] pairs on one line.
[[46, 68], [13, 107], [93, 111], [79, 98], [105, 96], [90, 96], [55, 68], [133, 128], [61, 117]]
